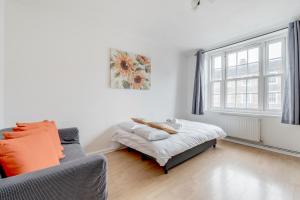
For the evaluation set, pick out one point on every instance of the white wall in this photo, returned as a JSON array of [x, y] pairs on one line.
[[273, 133], [57, 58], [1, 63], [57, 52]]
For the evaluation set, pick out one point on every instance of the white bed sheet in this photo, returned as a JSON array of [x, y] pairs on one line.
[[190, 135]]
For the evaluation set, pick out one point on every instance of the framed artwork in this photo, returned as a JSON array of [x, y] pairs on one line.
[[129, 71]]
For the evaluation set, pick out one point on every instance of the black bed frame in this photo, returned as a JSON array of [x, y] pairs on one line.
[[180, 158]]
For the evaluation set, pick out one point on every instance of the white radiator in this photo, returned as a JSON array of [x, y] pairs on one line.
[[238, 126]]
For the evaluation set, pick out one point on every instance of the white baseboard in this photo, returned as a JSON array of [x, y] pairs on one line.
[[105, 151], [265, 147], [259, 146]]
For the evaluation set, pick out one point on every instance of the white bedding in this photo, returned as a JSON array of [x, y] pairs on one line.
[[189, 135]]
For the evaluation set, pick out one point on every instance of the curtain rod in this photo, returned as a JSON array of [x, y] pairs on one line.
[[227, 45]]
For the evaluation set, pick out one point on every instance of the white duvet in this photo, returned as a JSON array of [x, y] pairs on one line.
[[189, 135]]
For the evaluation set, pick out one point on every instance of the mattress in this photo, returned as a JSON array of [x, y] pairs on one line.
[[190, 135]]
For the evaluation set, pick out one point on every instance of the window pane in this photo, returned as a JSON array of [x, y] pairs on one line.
[[216, 89], [253, 69], [252, 86], [252, 101], [230, 87], [231, 60], [241, 71], [241, 101], [216, 68], [241, 87], [216, 101], [230, 101], [253, 55], [274, 92], [231, 72], [275, 50], [274, 100], [274, 66], [216, 74], [274, 84], [242, 57], [217, 62]]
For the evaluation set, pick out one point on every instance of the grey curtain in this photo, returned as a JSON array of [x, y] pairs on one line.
[[291, 104], [197, 108]]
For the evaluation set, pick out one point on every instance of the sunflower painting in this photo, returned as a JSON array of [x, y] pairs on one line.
[[129, 71]]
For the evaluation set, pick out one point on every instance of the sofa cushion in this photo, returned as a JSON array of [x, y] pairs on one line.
[[16, 158], [72, 152], [38, 130], [51, 126], [70, 140]]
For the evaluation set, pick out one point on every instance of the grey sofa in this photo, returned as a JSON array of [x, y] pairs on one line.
[[78, 177]]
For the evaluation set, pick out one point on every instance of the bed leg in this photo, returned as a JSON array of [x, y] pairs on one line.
[[214, 146], [166, 171]]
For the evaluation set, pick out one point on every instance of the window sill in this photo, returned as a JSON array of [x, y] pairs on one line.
[[248, 114]]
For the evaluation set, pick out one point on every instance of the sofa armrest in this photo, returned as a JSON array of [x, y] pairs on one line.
[[75, 180], [69, 135]]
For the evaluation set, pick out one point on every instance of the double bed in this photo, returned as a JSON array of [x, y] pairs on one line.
[[190, 140]]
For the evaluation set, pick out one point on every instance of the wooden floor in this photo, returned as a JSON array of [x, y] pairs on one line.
[[229, 172]]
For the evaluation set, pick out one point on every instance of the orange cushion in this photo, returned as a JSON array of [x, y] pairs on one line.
[[50, 124], [38, 130], [27, 154], [44, 124]]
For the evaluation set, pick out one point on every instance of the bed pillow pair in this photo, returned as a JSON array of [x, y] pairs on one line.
[[150, 134], [30, 152], [144, 131], [129, 126]]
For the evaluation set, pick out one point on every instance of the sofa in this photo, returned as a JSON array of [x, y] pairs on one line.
[[78, 177]]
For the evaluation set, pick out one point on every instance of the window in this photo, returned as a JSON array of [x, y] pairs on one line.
[[216, 77], [273, 74], [248, 78]]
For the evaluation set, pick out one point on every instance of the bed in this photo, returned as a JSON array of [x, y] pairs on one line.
[[192, 138]]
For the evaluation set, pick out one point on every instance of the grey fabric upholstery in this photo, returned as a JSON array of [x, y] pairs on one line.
[[75, 180], [198, 104], [78, 177], [72, 152], [69, 135], [4, 130], [291, 101]]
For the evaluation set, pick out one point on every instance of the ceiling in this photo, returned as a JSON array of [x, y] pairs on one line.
[[214, 23], [175, 23]]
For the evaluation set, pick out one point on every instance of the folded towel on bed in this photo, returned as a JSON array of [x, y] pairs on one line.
[[175, 123]]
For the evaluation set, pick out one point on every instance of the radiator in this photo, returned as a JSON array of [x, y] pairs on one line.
[[239, 127]]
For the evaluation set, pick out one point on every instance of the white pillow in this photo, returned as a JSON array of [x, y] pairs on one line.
[[129, 126], [150, 134]]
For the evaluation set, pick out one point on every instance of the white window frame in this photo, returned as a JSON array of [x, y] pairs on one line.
[[262, 44]]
